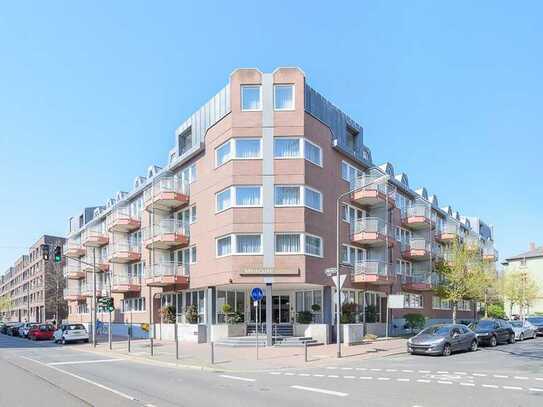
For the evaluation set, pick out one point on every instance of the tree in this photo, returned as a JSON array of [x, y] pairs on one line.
[[519, 288], [415, 321], [464, 276], [494, 311], [5, 304]]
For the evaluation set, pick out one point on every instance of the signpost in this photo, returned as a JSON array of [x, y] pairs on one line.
[[257, 294]]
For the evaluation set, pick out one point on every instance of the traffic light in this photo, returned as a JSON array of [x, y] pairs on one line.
[[45, 252], [58, 254]]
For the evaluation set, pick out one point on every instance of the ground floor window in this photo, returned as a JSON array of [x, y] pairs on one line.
[[309, 301], [464, 305], [413, 301], [82, 308], [236, 301], [440, 303], [196, 298], [358, 305], [133, 305]]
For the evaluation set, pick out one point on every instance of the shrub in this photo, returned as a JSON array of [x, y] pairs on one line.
[[371, 314], [496, 311], [191, 314], [315, 308], [415, 321], [304, 317], [168, 314], [237, 318]]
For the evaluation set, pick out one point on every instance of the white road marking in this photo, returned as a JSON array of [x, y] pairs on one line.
[[361, 368], [383, 378], [521, 378], [442, 372], [304, 374], [500, 376], [423, 381], [333, 376], [318, 375], [490, 386], [348, 377], [444, 382], [535, 389], [407, 371], [289, 374], [512, 388], [467, 384], [101, 386], [82, 362], [479, 374], [403, 380], [392, 370], [539, 378], [376, 370], [365, 377], [242, 379], [323, 391], [331, 367], [459, 372], [346, 368], [275, 373], [424, 371]]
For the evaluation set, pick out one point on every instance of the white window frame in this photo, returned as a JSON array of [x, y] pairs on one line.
[[302, 245], [234, 245], [291, 85], [131, 302], [352, 168], [407, 301], [405, 267], [242, 87], [349, 248], [233, 200], [234, 150], [301, 149], [346, 208], [187, 253], [302, 197]]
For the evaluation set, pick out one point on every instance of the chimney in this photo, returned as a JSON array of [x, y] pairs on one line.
[[532, 246]]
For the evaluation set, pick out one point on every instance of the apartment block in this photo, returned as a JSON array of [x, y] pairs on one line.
[[247, 198], [34, 287]]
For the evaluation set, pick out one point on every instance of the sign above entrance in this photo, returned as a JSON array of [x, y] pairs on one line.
[[268, 271], [257, 294]]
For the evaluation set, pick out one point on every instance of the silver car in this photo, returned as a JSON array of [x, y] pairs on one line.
[[443, 340], [524, 330]]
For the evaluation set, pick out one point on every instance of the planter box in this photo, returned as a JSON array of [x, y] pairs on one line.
[[352, 334], [376, 328], [221, 331], [319, 332], [195, 333]]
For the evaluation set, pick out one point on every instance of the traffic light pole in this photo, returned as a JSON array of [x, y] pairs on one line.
[[94, 297], [109, 334]]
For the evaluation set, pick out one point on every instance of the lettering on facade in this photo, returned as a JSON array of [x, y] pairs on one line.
[[268, 271]]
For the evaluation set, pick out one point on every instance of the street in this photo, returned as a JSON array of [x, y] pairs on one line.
[[509, 375]]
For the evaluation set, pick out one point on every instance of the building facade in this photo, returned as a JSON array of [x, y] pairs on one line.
[[248, 199], [531, 263], [33, 287]]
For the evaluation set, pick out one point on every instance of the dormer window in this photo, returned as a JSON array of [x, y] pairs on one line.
[[185, 141], [351, 138]]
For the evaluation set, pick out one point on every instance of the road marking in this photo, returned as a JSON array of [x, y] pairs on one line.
[[512, 388], [423, 381], [361, 368], [442, 372], [346, 368], [467, 384], [521, 378], [407, 371], [331, 367], [501, 376], [490, 386], [304, 374], [289, 374], [383, 378], [459, 372], [376, 370], [424, 371], [275, 373], [366, 378], [539, 378], [101, 386], [479, 374], [323, 391], [392, 370], [535, 389], [444, 382], [403, 380], [318, 375], [82, 362], [243, 379], [348, 377], [333, 376]]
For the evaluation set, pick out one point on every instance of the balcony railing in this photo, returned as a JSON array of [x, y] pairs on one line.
[[73, 271], [166, 193], [122, 219], [372, 190], [371, 271], [369, 231], [167, 273], [94, 237], [168, 233], [419, 281], [473, 242], [417, 249], [73, 249], [72, 293], [489, 253], [417, 216], [124, 252], [123, 282], [86, 288]]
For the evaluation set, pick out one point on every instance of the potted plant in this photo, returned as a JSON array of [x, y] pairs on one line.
[[191, 314], [227, 311], [304, 317], [168, 314]]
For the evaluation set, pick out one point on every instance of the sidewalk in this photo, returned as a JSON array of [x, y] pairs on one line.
[[198, 356]]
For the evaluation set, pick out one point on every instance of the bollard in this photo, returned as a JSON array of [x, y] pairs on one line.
[[212, 352], [129, 335], [176, 342], [305, 351], [152, 346]]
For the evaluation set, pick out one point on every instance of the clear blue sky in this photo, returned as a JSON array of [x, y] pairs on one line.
[[90, 96]]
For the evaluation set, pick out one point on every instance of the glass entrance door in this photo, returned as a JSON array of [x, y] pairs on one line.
[[281, 309]]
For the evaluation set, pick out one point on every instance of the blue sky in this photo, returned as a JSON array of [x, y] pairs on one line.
[[90, 95]]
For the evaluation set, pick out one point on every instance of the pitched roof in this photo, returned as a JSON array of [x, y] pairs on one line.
[[537, 252]]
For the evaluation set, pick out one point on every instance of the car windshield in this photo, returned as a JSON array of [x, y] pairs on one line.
[[74, 327], [517, 324], [486, 324], [537, 320], [436, 331]]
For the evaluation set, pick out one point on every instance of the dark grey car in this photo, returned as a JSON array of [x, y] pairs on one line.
[[443, 340]]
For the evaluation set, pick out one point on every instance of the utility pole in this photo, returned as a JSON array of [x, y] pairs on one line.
[[94, 297]]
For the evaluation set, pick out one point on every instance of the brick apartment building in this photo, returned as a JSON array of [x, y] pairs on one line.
[[34, 287], [248, 198]]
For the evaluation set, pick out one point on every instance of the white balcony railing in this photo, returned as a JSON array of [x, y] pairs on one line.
[[167, 269], [371, 267], [124, 247], [419, 244], [123, 212], [166, 184], [369, 225], [72, 245], [72, 291], [374, 183], [165, 227], [125, 279], [418, 210]]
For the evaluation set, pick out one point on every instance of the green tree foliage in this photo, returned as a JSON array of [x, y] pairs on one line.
[[415, 321], [518, 287]]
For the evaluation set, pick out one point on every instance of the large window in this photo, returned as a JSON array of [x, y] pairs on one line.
[[185, 256], [239, 196], [187, 216], [351, 214], [297, 147], [251, 99], [298, 243], [413, 300], [349, 173], [196, 298], [440, 303], [305, 301], [404, 268], [239, 149], [185, 141], [297, 195], [236, 301], [238, 244], [133, 305], [283, 97], [352, 255]]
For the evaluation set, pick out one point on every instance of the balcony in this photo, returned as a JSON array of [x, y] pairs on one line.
[[74, 249], [167, 194], [74, 272], [124, 252], [94, 238], [168, 234], [167, 274], [417, 249], [418, 216], [370, 231], [472, 242], [73, 294], [101, 265], [449, 233], [419, 281], [371, 271], [372, 191], [122, 220], [125, 283], [86, 288]]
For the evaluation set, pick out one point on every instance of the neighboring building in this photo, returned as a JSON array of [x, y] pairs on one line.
[[248, 198], [530, 262], [34, 286]]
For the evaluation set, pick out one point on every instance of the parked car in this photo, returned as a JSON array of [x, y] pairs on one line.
[[6, 327], [24, 328], [13, 330], [443, 340], [493, 331], [41, 331], [538, 323], [523, 330], [71, 333]]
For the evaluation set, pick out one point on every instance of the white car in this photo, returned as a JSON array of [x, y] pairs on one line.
[[524, 330], [23, 330], [70, 333]]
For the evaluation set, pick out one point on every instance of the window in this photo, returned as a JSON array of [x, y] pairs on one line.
[[239, 149], [297, 147], [238, 244], [185, 256], [187, 216], [293, 243], [287, 195], [352, 255], [306, 299], [351, 137], [133, 305], [244, 196], [440, 303], [349, 173], [251, 98], [185, 141], [283, 97], [188, 174], [403, 267], [413, 300], [236, 300], [350, 214], [196, 298]]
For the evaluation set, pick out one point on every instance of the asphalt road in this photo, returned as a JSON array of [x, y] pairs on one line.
[[43, 373]]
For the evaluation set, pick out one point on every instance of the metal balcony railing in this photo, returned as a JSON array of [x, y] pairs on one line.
[[369, 225], [127, 247], [374, 183], [125, 279], [71, 291], [419, 244], [72, 269], [167, 269], [418, 210], [166, 184], [165, 227], [72, 245], [371, 267], [123, 212]]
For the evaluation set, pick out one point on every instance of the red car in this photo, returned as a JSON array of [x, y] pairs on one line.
[[42, 331]]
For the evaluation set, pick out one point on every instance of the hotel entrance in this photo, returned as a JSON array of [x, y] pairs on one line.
[[280, 310]]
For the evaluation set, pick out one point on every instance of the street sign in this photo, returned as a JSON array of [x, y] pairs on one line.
[[342, 278], [257, 294], [330, 271], [396, 301]]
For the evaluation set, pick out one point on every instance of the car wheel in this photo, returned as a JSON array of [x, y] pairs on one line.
[[511, 338], [521, 337], [63, 341], [493, 341], [446, 350], [85, 341], [474, 346]]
